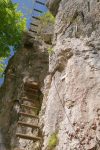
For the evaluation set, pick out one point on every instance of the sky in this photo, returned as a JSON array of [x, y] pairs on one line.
[[26, 6]]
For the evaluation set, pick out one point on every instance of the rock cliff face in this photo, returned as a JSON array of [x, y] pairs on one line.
[[29, 64], [69, 81], [71, 104]]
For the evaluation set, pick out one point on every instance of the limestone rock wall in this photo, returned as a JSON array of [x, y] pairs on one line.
[[53, 5], [71, 104], [29, 63], [71, 89]]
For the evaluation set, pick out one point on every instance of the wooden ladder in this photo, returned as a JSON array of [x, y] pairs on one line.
[[36, 17], [24, 136], [28, 125], [29, 87]]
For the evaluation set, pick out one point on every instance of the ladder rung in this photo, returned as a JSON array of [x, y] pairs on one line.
[[40, 2], [38, 10], [32, 31], [34, 24], [37, 18], [28, 115], [28, 137], [31, 36], [27, 124], [34, 34], [44, 61], [30, 89], [27, 99], [33, 85], [29, 107], [33, 95]]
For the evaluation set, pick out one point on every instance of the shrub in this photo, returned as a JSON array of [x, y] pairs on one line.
[[50, 50], [12, 25], [53, 141], [46, 20], [2, 66]]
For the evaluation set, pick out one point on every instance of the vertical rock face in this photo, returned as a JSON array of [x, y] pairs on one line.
[[29, 64], [71, 104], [53, 5], [70, 114]]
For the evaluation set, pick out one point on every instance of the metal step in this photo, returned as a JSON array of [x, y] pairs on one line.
[[40, 11], [29, 107], [40, 2], [28, 137], [28, 115], [37, 18], [34, 24], [28, 125]]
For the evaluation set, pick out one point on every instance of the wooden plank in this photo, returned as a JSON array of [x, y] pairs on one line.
[[27, 99], [29, 107], [28, 115], [34, 24], [32, 95], [33, 85], [40, 2], [28, 125], [32, 31], [30, 89], [37, 18], [38, 10], [31, 36], [28, 137], [45, 61]]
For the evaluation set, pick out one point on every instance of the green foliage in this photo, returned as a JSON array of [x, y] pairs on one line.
[[46, 20], [26, 9], [53, 141], [50, 50], [12, 25], [2, 66]]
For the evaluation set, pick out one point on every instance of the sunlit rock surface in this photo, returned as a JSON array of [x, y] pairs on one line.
[[71, 88], [71, 105]]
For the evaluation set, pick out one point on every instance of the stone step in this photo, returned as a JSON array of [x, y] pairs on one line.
[[28, 137], [28, 125], [40, 2], [28, 115], [29, 107]]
